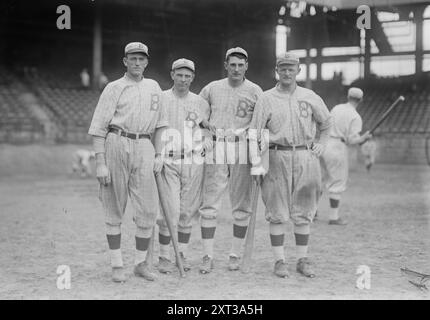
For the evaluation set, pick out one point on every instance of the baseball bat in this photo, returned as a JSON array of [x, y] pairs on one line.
[[166, 208], [249, 241], [385, 115]]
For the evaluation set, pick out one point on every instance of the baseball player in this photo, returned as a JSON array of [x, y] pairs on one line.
[[128, 114], [345, 131], [82, 162], [182, 174], [368, 149], [291, 185], [231, 101]]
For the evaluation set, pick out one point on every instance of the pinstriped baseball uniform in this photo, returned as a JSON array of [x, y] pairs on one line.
[[334, 161], [134, 107], [230, 109], [182, 182], [292, 185]]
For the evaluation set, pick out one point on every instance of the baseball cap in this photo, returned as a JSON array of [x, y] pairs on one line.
[[287, 58], [134, 47], [236, 50], [183, 63], [355, 93]]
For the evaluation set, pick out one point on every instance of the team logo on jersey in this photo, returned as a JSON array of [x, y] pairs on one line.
[[304, 109], [243, 108], [191, 119], [155, 102]]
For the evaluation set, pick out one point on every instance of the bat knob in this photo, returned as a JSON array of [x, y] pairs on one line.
[[402, 98]]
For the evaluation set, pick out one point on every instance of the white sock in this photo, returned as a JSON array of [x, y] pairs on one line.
[[139, 256], [334, 213], [208, 247], [278, 253], [183, 247], [116, 258], [165, 251], [236, 247]]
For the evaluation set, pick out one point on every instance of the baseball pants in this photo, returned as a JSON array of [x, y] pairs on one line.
[[181, 185], [234, 174], [334, 164], [130, 163], [291, 188]]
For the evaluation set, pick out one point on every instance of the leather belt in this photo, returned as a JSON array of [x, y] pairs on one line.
[[236, 138], [175, 156], [133, 136], [296, 147]]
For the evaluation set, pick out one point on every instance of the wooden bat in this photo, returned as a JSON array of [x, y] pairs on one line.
[[173, 234], [385, 115], [249, 241]]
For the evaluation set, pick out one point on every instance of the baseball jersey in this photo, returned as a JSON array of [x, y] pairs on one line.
[[134, 106], [346, 122], [186, 111], [231, 108], [292, 119]]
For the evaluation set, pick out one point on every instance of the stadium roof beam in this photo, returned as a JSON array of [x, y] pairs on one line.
[[378, 35], [354, 4]]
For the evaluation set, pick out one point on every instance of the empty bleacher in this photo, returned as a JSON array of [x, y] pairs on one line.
[[17, 123], [72, 105], [410, 117]]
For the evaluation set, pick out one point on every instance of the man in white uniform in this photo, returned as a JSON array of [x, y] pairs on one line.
[[82, 162], [347, 125], [129, 113], [231, 102], [182, 174], [291, 188]]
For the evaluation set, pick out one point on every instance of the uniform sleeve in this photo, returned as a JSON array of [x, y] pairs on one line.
[[104, 111], [259, 119], [204, 110], [323, 119], [163, 117], [205, 93]]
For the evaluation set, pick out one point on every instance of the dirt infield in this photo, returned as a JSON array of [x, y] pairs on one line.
[[56, 219]]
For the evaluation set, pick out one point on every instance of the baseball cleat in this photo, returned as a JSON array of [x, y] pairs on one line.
[[338, 222], [233, 263], [185, 263], [281, 269], [165, 265], [304, 267], [207, 265], [142, 270], [118, 274]]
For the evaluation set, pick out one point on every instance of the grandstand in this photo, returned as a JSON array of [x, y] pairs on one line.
[[51, 77], [17, 123]]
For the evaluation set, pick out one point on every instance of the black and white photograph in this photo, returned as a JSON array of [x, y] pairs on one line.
[[214, 154]]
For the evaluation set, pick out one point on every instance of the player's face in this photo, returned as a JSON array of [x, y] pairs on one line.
[[182, 78], [236, 68], [136, 63], [287, 73]]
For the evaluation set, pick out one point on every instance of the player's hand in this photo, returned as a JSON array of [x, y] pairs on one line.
[[103, 174], [158, 164], [317, 149], [257, 173], [210, 127], [258, 179], [207, 144], [366, 136]]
